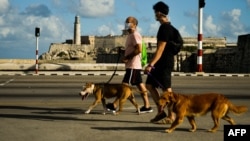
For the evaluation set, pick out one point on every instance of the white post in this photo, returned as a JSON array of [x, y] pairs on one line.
[[199, 37], [37, 34], [36, 55]]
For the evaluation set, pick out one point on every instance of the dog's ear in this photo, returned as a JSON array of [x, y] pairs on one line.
[[172, 96], [88, 84], [92, 86]]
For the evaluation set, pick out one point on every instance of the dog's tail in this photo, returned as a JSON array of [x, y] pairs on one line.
[[237, 109]]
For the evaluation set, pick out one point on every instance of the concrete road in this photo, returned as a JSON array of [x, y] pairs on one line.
[[48, 108]]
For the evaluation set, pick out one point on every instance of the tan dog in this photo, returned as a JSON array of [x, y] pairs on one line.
[[104, 90], [191, 106]]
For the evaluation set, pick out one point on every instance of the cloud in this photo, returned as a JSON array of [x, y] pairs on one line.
[[183, 31], [109, 29], [153, 28], [229, 26], [105, 30], [233, 15], [232, 26], [248, 3], [211, 28], [20, 27], [191, 14], [132, 4], [57, 2], [120, 27], [17, 34], [95, 8], [4, 6], [37, 10]]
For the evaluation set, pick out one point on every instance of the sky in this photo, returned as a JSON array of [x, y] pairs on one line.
[[55, 18]]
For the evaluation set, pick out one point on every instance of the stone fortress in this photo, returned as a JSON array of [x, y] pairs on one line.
[[218, 56]]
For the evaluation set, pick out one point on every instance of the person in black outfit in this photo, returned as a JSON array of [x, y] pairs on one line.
[[160, 67]]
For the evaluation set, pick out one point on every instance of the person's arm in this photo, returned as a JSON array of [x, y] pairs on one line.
[[158, 53], [137, 51], [160, 48]]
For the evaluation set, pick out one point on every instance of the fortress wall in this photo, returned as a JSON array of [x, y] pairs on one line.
[[220, 59], [64, 47], [243, 54], [207, 42], [223, 60]]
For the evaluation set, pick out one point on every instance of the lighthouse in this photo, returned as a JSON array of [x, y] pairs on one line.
[[77, 31]]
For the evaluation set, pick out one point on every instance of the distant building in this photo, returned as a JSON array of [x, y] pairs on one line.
[[82, 47]]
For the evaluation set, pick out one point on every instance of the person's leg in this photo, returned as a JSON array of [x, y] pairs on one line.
[[164, 80], [170, 117], [144, 94], [154, 93], [135, 78], [156, 96], [168, 83], [116, 103]]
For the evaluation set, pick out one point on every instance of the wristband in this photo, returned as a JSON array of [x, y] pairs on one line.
[[151, 66]]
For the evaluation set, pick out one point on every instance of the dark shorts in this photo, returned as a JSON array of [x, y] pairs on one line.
[[132, 76], [160, 78]]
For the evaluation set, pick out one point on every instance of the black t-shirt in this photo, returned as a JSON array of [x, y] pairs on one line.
[[165, 34]]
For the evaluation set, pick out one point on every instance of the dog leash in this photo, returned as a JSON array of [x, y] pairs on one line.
[[118, 58], [149, 74]]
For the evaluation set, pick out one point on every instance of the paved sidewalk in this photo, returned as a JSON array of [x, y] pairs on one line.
[[63, 120]]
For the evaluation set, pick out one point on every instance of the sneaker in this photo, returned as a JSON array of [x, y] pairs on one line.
[[159, 117], [110, 107], [146, 110]]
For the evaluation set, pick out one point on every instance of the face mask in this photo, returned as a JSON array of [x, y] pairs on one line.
[[157, 17], [128, 26]]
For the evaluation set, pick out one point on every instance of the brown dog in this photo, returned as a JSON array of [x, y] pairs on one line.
[[191, 106], [104, 90]]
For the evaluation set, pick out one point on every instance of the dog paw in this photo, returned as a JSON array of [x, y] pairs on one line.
[[192, 130], [211, 130], [168, 131], [87, 112], [138, 111]]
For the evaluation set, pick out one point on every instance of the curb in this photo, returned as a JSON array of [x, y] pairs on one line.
[[211, 75], [107, 73]]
